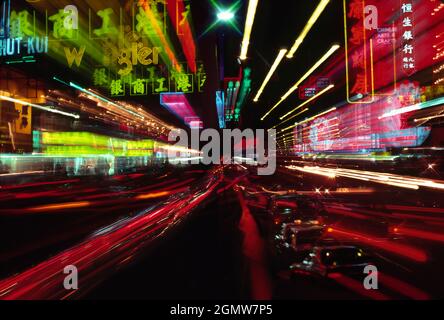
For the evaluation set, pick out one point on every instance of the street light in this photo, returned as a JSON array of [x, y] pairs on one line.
[[225, 15]]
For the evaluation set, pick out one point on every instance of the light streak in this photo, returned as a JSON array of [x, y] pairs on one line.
[[273, 68], [376, 177], [20, 173], [420, 234], [48, 109], [427, 119], [314, 17], [252, 6], [332, 50], [104, 99], [308, 101], [317, 116], [153, 195], [61, 206], [415, 107], [297, 114], [405, 251]]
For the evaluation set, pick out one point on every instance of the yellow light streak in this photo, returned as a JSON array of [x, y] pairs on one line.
[[296, 115], [327, 55], [48, 109], [308, 101], [252, 6], [273, 68], [316, 14]]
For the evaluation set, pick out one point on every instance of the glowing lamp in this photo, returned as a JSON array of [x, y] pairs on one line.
[[225, 15]]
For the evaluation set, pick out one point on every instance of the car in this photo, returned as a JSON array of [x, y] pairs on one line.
[[301, 235], [322, 261], [291, 208], [294, 239]]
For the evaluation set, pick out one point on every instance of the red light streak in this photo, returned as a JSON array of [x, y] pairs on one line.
[[106, 250], [420, 234], [402, 287], [254, 250], [38, 184], [395, 248], [176, 8], [357, 287]]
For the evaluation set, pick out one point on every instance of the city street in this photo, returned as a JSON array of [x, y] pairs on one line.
[[222, 150]]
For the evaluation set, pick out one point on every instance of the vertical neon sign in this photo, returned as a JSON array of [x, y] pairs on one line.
[[180, 12], [359, 50], [5, 13], [408, 48]]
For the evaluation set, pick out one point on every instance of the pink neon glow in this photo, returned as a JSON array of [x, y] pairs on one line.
[[356, 127], [178, 104]]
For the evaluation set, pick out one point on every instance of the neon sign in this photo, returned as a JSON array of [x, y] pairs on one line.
[[14, 46], [5, 13], [127, 50], [178, 104], [408, 49], [360, 62]]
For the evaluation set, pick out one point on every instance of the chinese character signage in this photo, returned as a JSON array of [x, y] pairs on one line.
[[370, 33], [125, 50], [407, 37], [360, 24]]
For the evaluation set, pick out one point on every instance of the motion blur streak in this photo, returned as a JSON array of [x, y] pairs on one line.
[[254, 249], [109, 249], [20, 173], [154, 195], [415, 209], [38, 184], [402, 287], [377, 177], [357, 287], [395, 248], [420, 234], [61, 206]]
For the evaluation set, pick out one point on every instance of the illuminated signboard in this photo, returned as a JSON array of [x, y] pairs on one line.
[[244, 92], [232, 87], [88, 144], [15, 46], [363, 127], [370, 34], [126, 50], [306, 92], [220, 105], [314, 86], [408, 36], [23, 123], [178, 104]]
